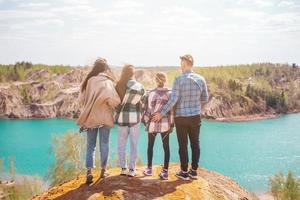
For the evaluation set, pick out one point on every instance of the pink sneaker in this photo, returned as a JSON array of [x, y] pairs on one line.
[[164, 175], [148, 171]]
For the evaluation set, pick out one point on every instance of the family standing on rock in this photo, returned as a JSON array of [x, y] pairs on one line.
[[128, 104]]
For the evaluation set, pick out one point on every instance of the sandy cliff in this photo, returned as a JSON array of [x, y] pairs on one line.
[[48, 95], [209, 186]]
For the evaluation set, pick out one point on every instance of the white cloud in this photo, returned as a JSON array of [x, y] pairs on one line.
[[263, 21], [76, 2], [284, 21], [184, 13], [7, 15], [288, 4], [39, 22], [80, 10], [149, 30], [250, 14], [34, 5], [259, 3], [127, 4], [176, 19]]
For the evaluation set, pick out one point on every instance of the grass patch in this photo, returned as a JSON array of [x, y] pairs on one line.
[[19, 71]]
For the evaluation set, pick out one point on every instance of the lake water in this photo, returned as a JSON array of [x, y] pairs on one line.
[[248, 152]]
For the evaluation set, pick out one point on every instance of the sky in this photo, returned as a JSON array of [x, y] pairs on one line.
[[150, 33]]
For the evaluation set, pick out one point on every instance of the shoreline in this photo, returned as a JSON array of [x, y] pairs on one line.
[[256, 117], [244, 118], [249, 118]]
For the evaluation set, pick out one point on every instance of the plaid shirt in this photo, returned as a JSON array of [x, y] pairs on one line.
[[154, 101], [129, 111], [189, 90]]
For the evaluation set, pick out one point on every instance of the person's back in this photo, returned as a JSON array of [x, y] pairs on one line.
[[99, 95], [98, 99], [129, 111], [192, 91], [128, 118], [188, 92], [156, 99]]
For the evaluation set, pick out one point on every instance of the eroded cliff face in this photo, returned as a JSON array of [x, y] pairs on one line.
[[46, 95], [224, 109], [42, 96], [209, 186]]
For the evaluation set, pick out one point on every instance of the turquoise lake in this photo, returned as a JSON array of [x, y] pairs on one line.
[[248, 152]]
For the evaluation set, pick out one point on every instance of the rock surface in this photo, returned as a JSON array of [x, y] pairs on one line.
[[209, 186], [46, 95], [43, 96]]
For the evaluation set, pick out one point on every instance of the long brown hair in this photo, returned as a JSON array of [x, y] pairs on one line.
[[126, 75], [100, 65]]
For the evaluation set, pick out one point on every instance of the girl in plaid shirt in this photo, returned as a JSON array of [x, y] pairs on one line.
[[154, 101], [128, 118]]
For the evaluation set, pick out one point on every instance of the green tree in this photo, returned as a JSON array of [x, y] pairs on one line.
[[291, 187], [12, 170], [285, 187], [24, 188], [1, 166], [69, 155]]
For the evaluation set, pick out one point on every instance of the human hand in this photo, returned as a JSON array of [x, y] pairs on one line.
[[156, 117]]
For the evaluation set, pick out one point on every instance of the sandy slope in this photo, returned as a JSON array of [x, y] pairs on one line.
[[210, 186]]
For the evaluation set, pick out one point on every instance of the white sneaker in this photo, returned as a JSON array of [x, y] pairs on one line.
[[124, 171], [131, 173]]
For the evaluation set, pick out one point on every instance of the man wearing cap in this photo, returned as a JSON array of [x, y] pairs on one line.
[[188, 92]]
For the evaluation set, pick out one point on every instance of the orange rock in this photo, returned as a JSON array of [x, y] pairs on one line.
[[210, 186]]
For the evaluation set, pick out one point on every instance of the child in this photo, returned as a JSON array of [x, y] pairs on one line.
[[156, 99], [128, 117]]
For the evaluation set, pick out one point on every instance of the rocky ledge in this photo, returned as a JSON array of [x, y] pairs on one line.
[[209, 186]]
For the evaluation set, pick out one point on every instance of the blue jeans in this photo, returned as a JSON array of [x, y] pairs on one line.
[[133, 133], [91, 146]]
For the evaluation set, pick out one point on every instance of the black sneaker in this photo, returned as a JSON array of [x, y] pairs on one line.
[[183, 175], [89, 177], [193, 174]]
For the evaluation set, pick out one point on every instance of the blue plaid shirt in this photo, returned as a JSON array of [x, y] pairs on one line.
[[189, 90]]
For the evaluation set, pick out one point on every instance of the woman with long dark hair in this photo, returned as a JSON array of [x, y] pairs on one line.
[[128, 118], [126, 74], [98, 98]]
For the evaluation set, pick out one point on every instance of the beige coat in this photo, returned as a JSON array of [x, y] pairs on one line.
[[98, 102]]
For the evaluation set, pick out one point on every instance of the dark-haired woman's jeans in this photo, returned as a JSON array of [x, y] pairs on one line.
[[188, 128], [91, 146]]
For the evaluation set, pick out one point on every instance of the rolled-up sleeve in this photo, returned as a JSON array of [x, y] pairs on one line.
[[173, 98]]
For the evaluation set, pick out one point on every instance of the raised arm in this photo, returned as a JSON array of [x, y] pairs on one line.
[[173, 98], [145, 111]]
